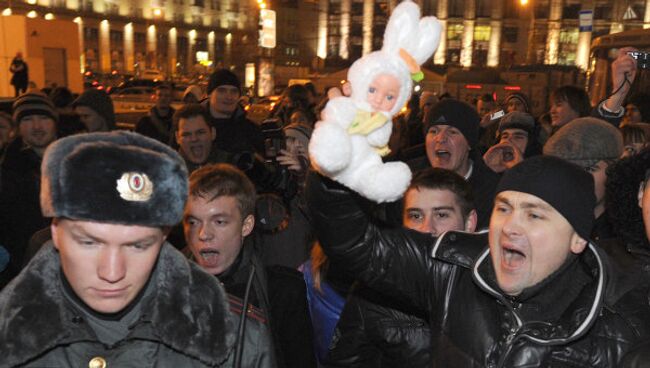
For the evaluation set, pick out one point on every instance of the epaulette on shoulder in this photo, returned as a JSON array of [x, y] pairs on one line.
[[252, 311], [459, 247]]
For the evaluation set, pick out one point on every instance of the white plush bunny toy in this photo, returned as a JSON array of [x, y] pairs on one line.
[[353, 134]]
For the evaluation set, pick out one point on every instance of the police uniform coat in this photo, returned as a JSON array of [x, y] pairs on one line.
[[185, 322]]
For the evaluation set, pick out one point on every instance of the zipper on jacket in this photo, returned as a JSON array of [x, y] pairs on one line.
[[512, 336]]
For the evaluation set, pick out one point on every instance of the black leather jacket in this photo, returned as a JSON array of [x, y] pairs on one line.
[[375, 331], [472, 323]]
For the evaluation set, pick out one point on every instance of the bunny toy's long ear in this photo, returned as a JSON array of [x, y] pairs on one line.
[[405, 30]]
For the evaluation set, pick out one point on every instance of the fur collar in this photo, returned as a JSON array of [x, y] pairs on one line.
[[188, 311]]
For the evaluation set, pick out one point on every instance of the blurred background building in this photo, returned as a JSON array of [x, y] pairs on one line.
[[190, 37]]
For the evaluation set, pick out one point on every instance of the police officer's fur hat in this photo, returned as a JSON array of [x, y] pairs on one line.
[[119, 177]]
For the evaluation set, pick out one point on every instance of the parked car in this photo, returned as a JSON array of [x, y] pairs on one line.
[[152, 74], [258, 109]]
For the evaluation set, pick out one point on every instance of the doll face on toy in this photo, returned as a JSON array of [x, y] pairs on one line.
[[383, 92]]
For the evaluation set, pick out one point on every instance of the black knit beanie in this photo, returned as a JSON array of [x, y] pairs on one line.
[[458, 114], [100, 102], [33, 103], [222, 77], [565, 186]]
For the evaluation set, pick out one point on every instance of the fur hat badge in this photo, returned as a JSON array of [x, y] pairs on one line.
[[118, 177]]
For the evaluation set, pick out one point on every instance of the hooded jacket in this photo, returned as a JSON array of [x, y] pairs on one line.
[[100, 102], [473, 324], [185, 322]]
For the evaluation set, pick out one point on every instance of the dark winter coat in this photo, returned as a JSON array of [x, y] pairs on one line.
[[236, 134], [279, 294], [157, 126], [20, 71], [20, 208], [638, 357], [377, 331], [185, 323], [592, 318], [484, 184]]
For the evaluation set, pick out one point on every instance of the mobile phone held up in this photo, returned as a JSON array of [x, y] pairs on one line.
[[642, 58], [497, 115]]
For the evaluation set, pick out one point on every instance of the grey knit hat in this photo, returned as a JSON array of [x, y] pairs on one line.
[[517, 120], [119, 177], [33, 103], [585, 141]]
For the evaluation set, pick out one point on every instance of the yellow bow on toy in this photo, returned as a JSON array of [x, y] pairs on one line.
[[365, 123]]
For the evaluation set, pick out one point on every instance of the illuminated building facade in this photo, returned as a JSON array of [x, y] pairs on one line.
[[128, 36], [483, 32]]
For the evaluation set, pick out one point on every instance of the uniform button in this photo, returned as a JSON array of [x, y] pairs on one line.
[[452, 237], [77, 320], [97, 362]]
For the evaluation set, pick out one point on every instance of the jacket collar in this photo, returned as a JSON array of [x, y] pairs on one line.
[[460, 247], [181, 314], [580, 317]]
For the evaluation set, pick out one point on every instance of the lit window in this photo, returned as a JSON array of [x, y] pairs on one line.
[[455, 32], [482, 33]]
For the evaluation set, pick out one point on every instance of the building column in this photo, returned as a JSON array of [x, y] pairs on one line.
[[646, 17], [172, 50], [346, 8], [440, 56], [368, 15], [211, 47], [496, 25], [129, 57], [191, 42], [73, 5], [151, 61], [323, 12], [584, 41], [467, 45], [228, 57], [553, 37], [104, 46], [82, 48], [617, 16]]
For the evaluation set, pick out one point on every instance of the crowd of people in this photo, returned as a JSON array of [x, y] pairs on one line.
[[205, 239]]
